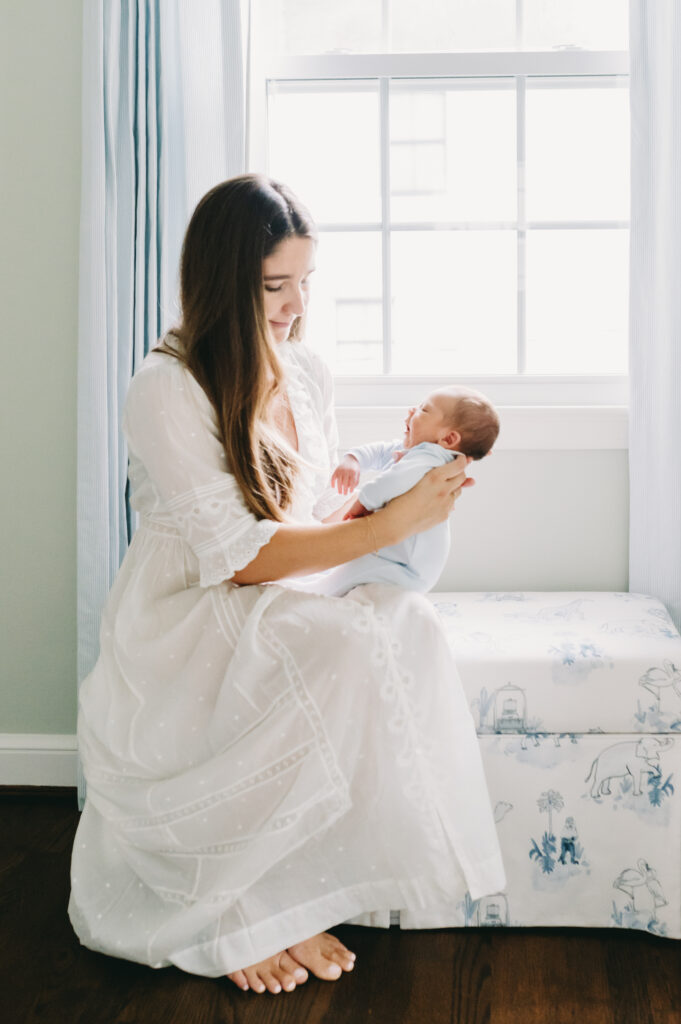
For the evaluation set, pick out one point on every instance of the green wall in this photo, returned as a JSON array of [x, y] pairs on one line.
[[40, 79]]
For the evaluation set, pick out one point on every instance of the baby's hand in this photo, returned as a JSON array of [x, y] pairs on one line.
[[356, 511], [346, 475]]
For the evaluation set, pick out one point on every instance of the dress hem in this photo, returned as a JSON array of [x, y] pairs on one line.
[[250, 945], [221, 956]]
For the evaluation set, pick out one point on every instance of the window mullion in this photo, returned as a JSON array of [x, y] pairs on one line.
[[522, 224], [384, 86], [386, 25]]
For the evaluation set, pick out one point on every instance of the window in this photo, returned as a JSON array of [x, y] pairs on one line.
[[473, 204]]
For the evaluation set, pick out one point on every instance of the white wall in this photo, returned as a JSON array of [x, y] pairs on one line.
[[541, 520], [538, 519]]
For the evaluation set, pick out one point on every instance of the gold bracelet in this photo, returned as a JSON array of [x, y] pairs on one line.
[[372, 533]]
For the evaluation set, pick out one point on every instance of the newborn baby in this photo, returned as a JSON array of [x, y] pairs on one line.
[[449, 422]]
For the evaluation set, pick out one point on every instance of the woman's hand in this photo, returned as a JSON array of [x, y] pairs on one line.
[[430, 501], [346, 475]]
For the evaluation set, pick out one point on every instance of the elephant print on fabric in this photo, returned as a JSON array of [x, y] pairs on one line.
[[634, 758]]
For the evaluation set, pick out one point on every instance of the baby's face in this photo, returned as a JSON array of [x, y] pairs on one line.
[[427, 422]]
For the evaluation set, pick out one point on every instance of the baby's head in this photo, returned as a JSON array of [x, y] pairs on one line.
[[457, 418]]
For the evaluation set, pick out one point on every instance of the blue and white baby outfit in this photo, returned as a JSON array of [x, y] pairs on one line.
[[415, 563]]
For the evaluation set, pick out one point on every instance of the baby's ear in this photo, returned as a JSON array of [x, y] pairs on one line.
[[452, 440]]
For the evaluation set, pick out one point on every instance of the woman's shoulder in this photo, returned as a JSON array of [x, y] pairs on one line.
[[164, 357], [164, 362], [163, 377]]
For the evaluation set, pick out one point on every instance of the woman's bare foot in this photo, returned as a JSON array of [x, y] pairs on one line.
[[324, 955], [272, 975]]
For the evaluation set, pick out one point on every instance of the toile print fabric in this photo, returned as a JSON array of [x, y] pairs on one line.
[[577, 703], [261, 764]]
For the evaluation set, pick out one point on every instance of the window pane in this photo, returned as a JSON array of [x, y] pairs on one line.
[[345, 312], [417, 169], [453, 151], [454, 302], [577, 153], [587, 24], [402, 26], [437, 25], [322, 26], [325, 144], [577, 296]]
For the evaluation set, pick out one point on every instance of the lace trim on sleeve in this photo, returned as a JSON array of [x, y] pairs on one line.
[[217, 566], [219, 529]]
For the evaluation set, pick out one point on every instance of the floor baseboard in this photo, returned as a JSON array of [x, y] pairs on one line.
[[38, 759]]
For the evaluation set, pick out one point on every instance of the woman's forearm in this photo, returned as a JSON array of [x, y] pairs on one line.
[[297, 550]]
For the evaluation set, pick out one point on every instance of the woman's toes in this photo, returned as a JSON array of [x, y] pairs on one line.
[[320, 955], [239, 978], [255, 981], [340, 954], [342, 959], [272, 982], [284, 977], [293, 968], [326, 969]]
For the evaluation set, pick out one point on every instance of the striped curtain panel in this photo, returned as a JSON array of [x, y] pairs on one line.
[[163, 120], [655, 304]]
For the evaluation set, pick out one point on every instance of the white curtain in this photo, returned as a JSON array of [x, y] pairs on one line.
[[164, 101], [655, 308]]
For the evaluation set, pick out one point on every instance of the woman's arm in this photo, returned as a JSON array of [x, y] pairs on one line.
[[297, 550]]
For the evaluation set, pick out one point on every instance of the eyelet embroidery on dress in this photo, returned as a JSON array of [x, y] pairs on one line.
[[340, 800], [405, 720]]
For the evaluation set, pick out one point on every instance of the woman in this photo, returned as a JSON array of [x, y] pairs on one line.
[[261, 763]]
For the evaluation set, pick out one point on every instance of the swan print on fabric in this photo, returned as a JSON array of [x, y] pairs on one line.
[[643, 899]]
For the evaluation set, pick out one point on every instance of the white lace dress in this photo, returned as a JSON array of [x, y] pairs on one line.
[[262, 764]]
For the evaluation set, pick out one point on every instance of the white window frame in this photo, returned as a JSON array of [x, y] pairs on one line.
[[592, 409]]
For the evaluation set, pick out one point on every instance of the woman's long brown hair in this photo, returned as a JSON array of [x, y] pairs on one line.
[[224, 335]]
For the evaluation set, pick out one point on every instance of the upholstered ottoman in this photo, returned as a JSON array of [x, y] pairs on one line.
[[577, 701]]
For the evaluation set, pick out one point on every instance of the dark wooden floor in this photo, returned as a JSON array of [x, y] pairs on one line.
[[439, 977]]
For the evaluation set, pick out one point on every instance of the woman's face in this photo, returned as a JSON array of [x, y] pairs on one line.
[[286, 277]]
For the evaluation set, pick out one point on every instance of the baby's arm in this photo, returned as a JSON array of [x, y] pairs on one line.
[[378, 455], [400, 477]]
